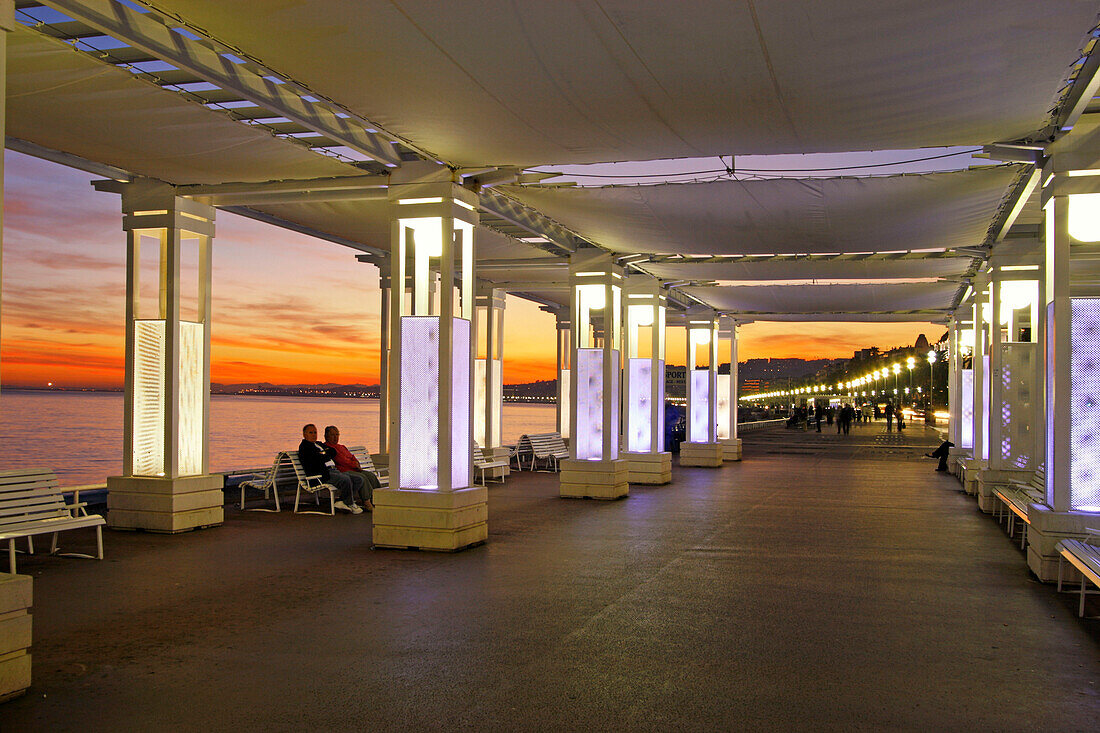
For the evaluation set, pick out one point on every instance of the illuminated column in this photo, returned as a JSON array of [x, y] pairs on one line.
[[489, 372], [727, 393], [1014, 448], [564, 362], [701, 447], [644, 384], [384, 363], [432, 502], [7, 25], [1071, 333], [979, 360], [955, 398], [165, 484], [594, 469]]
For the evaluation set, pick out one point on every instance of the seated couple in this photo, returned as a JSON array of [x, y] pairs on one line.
[[335, 464]]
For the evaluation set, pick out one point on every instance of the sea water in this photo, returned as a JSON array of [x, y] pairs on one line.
[[78, 435]]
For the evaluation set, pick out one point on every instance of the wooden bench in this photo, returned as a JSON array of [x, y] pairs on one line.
[[489, 469], [1085, 557], [1015, 498], [32, 504], [548, 448], [312, 485], [367, 464]]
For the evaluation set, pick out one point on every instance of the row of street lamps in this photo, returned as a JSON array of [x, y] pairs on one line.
[[853, 386]]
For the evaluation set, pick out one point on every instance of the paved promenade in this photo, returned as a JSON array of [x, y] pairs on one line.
[[824, 583]]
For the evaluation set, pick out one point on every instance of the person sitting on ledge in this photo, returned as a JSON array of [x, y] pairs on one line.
[[349, 464], [319, 460]]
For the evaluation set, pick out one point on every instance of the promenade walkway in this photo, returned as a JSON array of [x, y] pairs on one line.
[[826, 582]]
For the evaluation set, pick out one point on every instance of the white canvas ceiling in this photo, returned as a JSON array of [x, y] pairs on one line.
[[535, 82], [64, 100], [827, 215]]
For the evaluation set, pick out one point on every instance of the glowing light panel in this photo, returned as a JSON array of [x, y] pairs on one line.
[[698, 430], [589, 438], [1084, 450], [148, 410], [966, 420], [419, 419], [639, 431], [723, 406], [1083, 219]]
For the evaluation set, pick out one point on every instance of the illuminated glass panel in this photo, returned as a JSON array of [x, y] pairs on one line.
[[419, 418], [461, 446], [966, 399], [1017, 374], [723, 406], [192, 392], [479, 402], [148, 410], [639, 431], [563, 401], [1084, 446], [589, 438], [698, 431], [985, 406]]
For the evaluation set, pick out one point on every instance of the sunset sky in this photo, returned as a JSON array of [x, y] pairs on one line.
[[286, 308]]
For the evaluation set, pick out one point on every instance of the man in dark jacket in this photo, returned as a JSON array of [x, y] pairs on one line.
[[319, 460]]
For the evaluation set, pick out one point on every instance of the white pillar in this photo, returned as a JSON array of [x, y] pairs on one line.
[[644, 383], [1013, 370], [166, 486], [7, 25], [1071, 333], [564, 338], [701, 446], [384, 361], [594, 468], [489, 372], [431, 502], [727, 393]]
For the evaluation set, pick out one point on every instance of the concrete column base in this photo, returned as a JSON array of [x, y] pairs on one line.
[[1046, 529], [954, 456], [731, 449], [989, 479], [164, 504], [15, 635], [701, 454], [418, 519], [594, 479], [971, 467], [652, 469]]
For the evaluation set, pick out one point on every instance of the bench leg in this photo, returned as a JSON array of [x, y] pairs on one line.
[[1061, 560], [53, 543], [1081, 606], [99, 543], [11, 556], [30, 545]]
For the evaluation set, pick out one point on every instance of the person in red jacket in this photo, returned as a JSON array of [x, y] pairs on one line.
[[348, 463]]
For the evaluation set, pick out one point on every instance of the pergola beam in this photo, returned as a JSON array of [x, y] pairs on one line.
[[151, 33]]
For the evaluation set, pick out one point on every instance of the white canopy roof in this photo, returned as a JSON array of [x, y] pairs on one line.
[[536, 83], [533, 83]]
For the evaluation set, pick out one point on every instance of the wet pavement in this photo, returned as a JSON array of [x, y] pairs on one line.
[[825, 582]]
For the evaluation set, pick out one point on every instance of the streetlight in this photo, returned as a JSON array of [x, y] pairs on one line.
[[897, 371], [909, 364]]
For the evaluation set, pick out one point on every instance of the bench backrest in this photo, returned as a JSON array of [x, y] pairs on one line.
[[363, 456], [30, 494], [544, 445], [296, 462]]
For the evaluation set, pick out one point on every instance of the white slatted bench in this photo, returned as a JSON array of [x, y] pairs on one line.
[[312, 485], [367, 464], [1015, 498], [1085, 557], [489, 469], [548, 448], [267, 482], [519, 451], [32, 504]]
